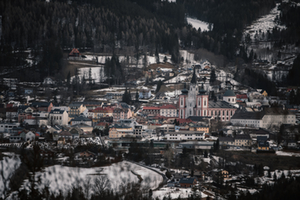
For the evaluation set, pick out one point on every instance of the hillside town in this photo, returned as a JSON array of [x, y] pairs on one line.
[[185, 130]]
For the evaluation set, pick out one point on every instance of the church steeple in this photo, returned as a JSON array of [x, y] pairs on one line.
[[194, 78], [201, 90]]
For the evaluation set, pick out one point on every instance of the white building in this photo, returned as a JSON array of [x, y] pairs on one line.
[[229, 96], [185, 135], [59, 117], [267, 118], [7, 127], [168, 111], [277, 116]]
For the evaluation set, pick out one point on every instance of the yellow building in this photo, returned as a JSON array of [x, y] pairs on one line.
[[119, 131], [200, 128]]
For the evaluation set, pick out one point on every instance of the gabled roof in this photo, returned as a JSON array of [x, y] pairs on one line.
[[65, 133], [226, 139], [242, 137], [151, 108], [242, 96], [81, 118], [220, 104], [187, 180], [248, 115], [57, 111], [74, 52], [168, 107], [40, 104]]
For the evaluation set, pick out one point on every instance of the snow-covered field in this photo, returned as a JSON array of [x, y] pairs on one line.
[[283, 153], [265, 23], [114, 177], [198, 24], [174, 193], [8, 166]]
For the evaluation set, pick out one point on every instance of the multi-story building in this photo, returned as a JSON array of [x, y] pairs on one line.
[[119, 131], [168, 111], [185, 135], [58, 117], [76, 108], [151, 110], [266, 118], [243, 140]]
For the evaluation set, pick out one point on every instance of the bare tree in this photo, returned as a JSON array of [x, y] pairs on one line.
[[101, 184]]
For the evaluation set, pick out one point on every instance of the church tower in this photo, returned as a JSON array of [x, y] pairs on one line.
[[191, 98], [182, 102], [202, 102]]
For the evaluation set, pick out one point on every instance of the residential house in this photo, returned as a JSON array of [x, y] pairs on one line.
[[81, 120], [119, 131], [76, 108], [121, 113], [15, 138], [187, 182], [226, 142], [199, 127], [101, 125], [84, 127], [144, 94], [85, 155], [292, 144], [7, 127], [262, 143], [42, 106], [74, 54], [76, 132], [241, 98], [65, 134], [48, 81], [12, 113], [99, 113], [242, 140], [225, 175]]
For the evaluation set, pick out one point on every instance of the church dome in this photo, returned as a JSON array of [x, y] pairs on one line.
[[184, 91], [229, 93], [201, 90]]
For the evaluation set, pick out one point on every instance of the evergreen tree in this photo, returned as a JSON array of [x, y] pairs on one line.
[[212, 76]]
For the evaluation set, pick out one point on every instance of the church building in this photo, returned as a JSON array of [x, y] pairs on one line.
[[195, 102]]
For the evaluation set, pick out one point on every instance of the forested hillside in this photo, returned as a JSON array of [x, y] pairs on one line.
[[127, 26]]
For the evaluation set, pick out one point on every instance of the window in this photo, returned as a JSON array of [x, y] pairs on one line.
[[181, 101], [205, 102], [228, 99], [223, 113]]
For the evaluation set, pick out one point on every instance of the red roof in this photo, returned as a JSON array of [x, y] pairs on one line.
[[182, 121], [151, 108], [102, 124], [242, 96], [100, 109], [168, 107], [74, 51]]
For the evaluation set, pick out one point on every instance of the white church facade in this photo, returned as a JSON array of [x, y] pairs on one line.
[[195, 102]]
